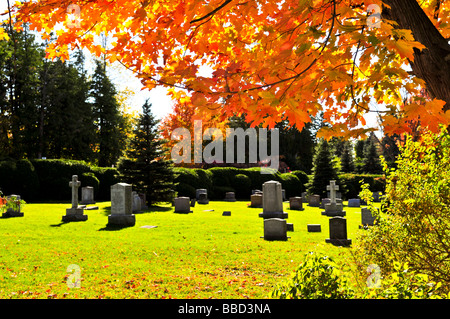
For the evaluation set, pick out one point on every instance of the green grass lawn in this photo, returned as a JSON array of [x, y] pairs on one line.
[[198, 255]]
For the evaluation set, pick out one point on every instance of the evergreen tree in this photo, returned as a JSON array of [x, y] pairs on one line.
[[347, 164], [144, 165], [111, 137], [371, 160], [323, 170]]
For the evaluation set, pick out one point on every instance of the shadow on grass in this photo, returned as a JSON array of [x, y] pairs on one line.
[[114, 227], [152, 209]]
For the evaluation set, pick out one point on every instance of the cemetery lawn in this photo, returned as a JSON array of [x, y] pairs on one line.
[[197, 255]]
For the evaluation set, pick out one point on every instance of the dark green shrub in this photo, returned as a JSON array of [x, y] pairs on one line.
[[218, 192], [243, 186], [303, 177], [89, 179], [107, 176], [291, 184], [185, 190], [223, 176], [20, 178]]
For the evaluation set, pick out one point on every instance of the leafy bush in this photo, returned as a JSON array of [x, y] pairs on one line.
[[317, 277], [405, 283], [414, 226]]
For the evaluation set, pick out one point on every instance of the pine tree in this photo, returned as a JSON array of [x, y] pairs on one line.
[[323, 170], [111, 137], [371, 160], [347, 164], [144, 165]]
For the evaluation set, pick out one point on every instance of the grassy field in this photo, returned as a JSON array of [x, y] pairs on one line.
[[198, 255]]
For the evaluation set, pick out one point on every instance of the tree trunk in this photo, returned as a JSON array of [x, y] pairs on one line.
[[433, 63]]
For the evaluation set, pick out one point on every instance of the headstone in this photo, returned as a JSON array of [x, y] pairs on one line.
[[182, 205], [296, 203], [256, 200], [314, 228], [305, 197], [283, 194], [137, 203], [200, 191], [230, 197], [272, 201], [354, 202], [143, 201], [256, 191], [333, 208], [202, 196], [75, 213], [87, 195], [14, 209], [226, 213], [290, 226], [121, 206], [337, 194], [275, 229], [314, 200], [338, 232], [324, 201], [376, 197], [367, 219], [193, 200]]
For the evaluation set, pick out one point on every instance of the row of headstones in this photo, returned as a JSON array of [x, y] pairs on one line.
[[276, 227], [124, 202]]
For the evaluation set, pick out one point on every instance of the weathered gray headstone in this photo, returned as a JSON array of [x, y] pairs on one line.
[[193, 200], [376, 197], [182, 205], [256, 191], [275, 229], [314, 228], [143, 201], [121, 206], [272, 201], [338, 232], [137, 203], [87, 195], [256, 200], [200, 191], [296, 203], [305, 197], [354, 202], [283, 194], [333, 208], [290, 226], [230, 197], [324, 201], [202, 196], [367, 219], [75, 213], [314, 200], [14, 209]]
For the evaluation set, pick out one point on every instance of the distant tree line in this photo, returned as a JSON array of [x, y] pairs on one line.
[[55, 109]]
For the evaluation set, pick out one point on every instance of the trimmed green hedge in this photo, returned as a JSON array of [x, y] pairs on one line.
[[48, 180], [219, 180], [353, 185]]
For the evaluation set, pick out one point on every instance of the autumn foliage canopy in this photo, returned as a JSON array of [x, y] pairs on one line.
[[269, 60]]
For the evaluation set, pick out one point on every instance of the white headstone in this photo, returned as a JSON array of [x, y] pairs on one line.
[[182, 205], [272, 201], [121, 206], [275, 229], [75, 213], [87, 195]]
